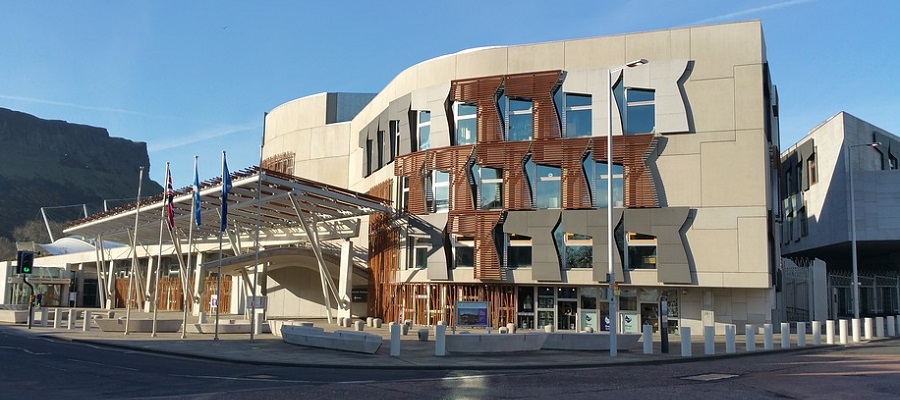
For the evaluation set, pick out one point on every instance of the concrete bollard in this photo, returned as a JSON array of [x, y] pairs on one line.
[[879, 327], [855, 328], [829, 331], [340, 321], [817, 333], [897, 320], [370, 322], [785, 335], [767, 336], [359, 326], [202, 319], [867, 328], [709, 340], [87, 321], [404, 329], [488, 329], [259, 321], [43, 316], [801, 334], [440, 340], [377, 323], [729, 339], [503, 330], [395, 339], [511, 327], [891, 329], [423, 334], [70, 322], [750, 336], [842, 331], [685, 341], [57, 318], [647, 338], [549, 328]]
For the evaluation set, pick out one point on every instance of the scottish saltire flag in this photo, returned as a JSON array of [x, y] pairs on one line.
[[170, 197], [196, 191], [226, 187]]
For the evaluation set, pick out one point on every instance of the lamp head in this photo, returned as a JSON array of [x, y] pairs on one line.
[[636, 63]]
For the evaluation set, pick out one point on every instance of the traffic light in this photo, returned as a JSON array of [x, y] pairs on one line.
[[24, 262]]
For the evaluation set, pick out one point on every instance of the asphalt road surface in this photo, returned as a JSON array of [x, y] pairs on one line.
[[40, 367]]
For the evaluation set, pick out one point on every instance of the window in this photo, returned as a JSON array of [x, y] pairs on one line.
[[548, 186], [380, 155], [892, 162], [596, 173], [489, 187], [641, 251], [463, 251], [419, 256], [639, 114], [518, 251], [424, 130], [516, 114], [369, 156], [577, 115], [466, 122], [395, 139], [811, 169], [579, 251], [403, 195], [439, 191], [804, 222]]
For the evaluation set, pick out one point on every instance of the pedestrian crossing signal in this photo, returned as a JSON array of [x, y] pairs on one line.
[[24, 262]]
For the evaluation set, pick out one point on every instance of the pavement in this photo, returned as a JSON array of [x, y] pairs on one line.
[[267, 349]]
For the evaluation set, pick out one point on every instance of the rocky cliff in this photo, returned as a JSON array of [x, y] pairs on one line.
[[54, 163]]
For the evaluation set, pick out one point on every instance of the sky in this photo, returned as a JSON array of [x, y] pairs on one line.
[[196, 77]]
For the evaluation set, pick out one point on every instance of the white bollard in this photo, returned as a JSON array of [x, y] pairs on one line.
[[897, 320], [801, 334], [842, 331], [70, 322], [259, 321], [767, 336], [202, 317], [729, 339], [370, 322], [879, 327], [395, 339], [43, 316], [856, 329], [709, 340], [867, 328], [891, 329], [87, 321], [57, 318], [648, 339], [817, 333], [685, 341], [750, 335], [785, 335], [440, 340], [340, 321], [829, 331]]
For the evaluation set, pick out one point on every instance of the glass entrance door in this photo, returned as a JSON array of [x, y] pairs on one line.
[[566, 315]]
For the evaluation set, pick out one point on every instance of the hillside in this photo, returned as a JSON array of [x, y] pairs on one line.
[[55, 163]]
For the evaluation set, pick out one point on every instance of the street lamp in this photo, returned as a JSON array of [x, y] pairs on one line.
[[613, 307], [855, 272]]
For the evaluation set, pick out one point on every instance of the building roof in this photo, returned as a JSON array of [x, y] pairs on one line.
[[286, 203]]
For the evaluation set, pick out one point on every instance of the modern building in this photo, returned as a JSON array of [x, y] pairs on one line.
[[822, 206], [495, 160], [473, 189]]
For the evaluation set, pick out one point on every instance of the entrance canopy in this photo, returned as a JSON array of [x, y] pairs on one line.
[[279, 204]]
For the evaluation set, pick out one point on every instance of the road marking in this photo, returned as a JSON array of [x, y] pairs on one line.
[[708, 377], [234, 378], [103, 365], [25, 350]]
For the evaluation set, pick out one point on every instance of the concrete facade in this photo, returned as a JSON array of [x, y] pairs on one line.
[[712, 156]]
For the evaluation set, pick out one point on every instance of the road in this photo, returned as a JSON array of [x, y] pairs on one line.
[[34, 366]]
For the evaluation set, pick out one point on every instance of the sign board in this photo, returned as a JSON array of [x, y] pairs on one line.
[[471, 313], [604, 322], [631, 322], [213, 301], [256, 302], [589, 320]]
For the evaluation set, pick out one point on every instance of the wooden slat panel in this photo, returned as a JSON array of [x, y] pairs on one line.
[[538, 87], [632, 152], [482, 92], [480, 225]]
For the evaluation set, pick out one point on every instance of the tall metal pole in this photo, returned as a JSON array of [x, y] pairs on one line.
[[137, 212], [262, 143], [853, 253], [611, 229]]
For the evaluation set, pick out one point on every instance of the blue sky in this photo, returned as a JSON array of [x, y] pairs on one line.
[[195, 77]]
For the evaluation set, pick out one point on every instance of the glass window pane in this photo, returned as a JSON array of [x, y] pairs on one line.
[[519, 105], [548, 187], [641, 119], [577, 100], [578, 123], [424, 116], [421, 257], [465, 256], [635, 95], [424, 133], [519, 127], [642, 257], [465, 131], [600, 186], [467, 109], [579, 256], [518, 257]]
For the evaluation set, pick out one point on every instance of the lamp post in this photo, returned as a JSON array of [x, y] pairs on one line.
[[855, 270], [613, 307]]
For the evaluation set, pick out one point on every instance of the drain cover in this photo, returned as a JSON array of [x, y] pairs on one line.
[[708, 377]]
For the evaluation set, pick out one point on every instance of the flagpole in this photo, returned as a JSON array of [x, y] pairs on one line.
[[167, 217], [137, 213], [195, 212], [259, 176], [226, 183]]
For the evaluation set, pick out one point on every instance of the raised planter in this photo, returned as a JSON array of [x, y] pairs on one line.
[[358, 342], [276, 324], [487, 343], [588, 341], [138, 325]]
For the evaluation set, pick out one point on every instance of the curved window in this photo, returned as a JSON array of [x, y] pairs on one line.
[[424, 130], [489, 184], [466, 122], [549, 186], [577, 115], [637, 109]]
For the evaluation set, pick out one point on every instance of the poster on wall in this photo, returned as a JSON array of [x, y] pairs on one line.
[[589, 320], [472, 313], [631, 322], [604, 324]]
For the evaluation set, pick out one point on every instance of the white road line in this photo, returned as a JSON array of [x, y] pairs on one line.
[[25, 350], [232, 378], [103, 365]]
